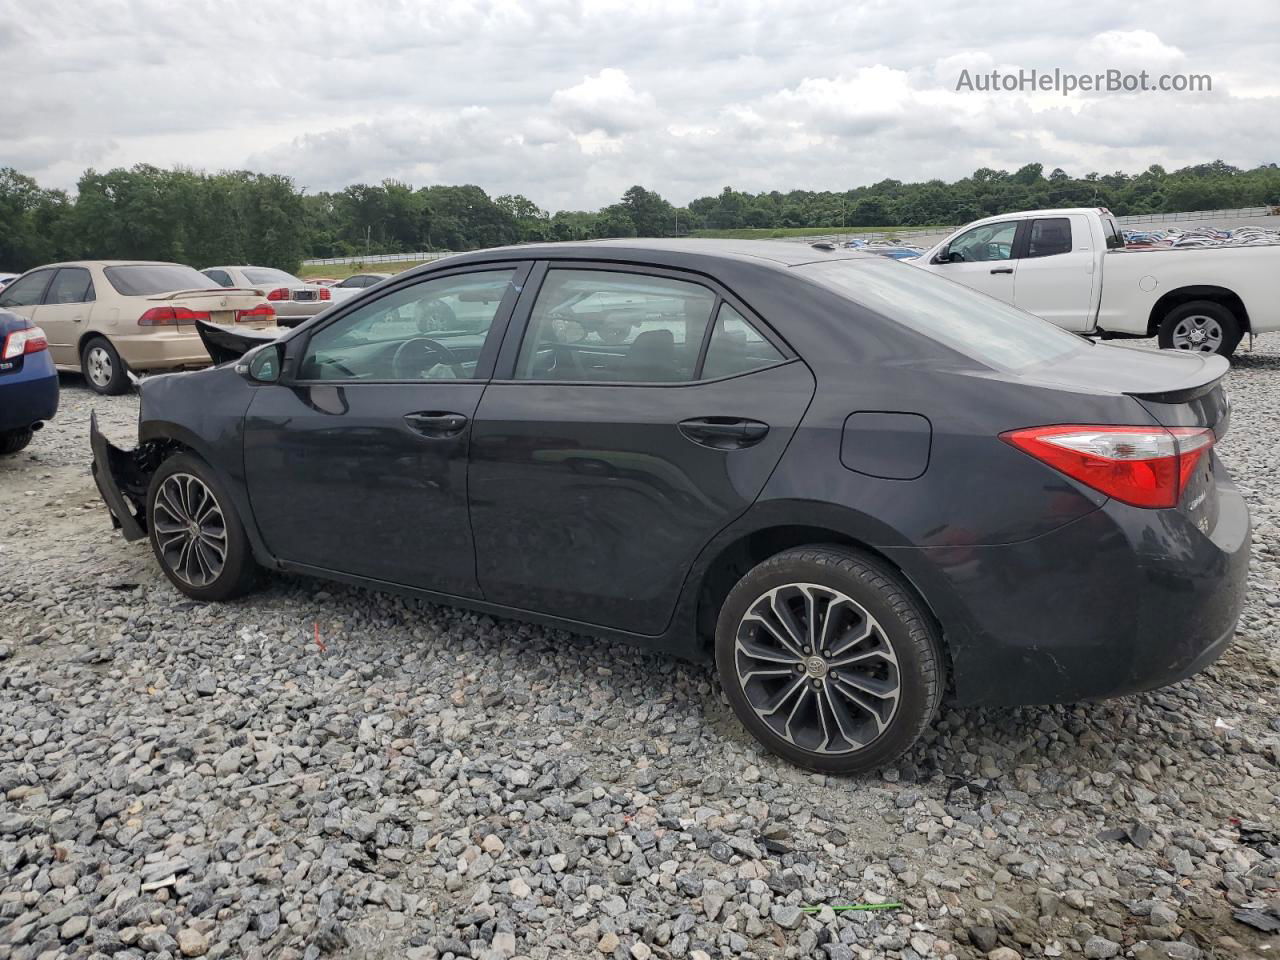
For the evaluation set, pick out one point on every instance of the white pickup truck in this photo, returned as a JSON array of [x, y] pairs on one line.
[[1071, 267]]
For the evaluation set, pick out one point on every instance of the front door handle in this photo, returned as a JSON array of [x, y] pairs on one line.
[[1002, 269], [435, 423], [724, 433]]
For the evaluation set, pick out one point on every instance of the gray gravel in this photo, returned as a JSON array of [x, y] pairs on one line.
[[179, 780]]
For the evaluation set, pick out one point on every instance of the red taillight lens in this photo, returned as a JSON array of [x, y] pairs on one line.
[[325, 294], [279, 293], [21, 342], [168, 316], [1141, 466], [262, 311]]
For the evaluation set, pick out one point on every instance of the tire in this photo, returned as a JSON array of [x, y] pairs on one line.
[[102, 367], [881, 623], [11, 441], [1184, 324], [184, 487]]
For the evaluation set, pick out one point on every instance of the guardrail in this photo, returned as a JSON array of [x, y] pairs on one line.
[[381, 258]]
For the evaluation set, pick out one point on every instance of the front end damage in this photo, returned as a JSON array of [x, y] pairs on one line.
[[123, 477]]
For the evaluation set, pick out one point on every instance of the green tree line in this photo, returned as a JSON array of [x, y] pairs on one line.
[[203, 219]]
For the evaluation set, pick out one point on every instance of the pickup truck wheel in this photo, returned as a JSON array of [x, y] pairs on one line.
[[102, 367], [1200, 326]]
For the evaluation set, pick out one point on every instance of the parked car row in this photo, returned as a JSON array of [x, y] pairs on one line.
[[846, 482]]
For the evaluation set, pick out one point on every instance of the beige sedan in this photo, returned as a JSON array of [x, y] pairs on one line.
[[106, 317], [292, 299]]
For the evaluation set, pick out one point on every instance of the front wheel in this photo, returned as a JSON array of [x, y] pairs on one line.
[[829, 660], [195, 532], [1200, 326]]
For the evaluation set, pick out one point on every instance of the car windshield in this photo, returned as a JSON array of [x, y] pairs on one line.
[[981, 327], [270, 275], [146, 279]]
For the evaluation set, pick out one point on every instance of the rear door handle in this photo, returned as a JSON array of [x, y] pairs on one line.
[[724, 433], [436, 424], [1002, 269]]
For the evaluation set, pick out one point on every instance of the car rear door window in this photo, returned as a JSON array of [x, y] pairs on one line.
[[431, 330], [1049, 237], [71, 285], [615, 327], [220, 277], [26, 291], [736, 347]]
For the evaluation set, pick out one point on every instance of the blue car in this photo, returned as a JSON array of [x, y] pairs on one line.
[[28, 382]]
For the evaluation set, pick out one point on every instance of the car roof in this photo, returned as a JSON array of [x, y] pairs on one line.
[[110, 263], [779, 254], [243, 266]]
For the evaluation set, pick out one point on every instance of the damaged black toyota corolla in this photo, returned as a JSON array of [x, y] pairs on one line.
[[846, 481]]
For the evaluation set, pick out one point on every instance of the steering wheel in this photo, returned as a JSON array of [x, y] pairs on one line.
[[413, 357]]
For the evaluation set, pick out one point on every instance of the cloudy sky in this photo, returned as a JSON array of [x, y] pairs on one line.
[[572, 101]]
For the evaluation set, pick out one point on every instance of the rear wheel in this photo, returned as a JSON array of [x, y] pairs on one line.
[[11, 441], [828, 659], [102, 367], [195, 532], [1201, 326]]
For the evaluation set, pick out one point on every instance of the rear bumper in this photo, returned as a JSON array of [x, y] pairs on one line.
[[29, 396], [1119, 601], [177, 348]]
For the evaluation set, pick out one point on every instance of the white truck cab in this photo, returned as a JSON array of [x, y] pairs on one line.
[[1070, 266]]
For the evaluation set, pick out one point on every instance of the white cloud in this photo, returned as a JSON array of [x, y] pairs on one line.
[[572, 101]]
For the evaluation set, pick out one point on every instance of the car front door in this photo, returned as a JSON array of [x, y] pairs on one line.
[[64, 315], [357, 462], [638, 413], [25, 294], [1056, 274], [982, 258]]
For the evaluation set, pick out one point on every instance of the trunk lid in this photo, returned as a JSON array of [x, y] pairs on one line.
[[221, 304]]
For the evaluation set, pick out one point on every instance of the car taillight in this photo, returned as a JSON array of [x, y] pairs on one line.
[[262, 311], [1141, 466], [167, 316], [279, 293], [22, 342], [325, 294]]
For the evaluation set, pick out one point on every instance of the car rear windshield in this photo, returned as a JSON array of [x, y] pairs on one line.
[[270, 275], [146, 279], [981, 327]]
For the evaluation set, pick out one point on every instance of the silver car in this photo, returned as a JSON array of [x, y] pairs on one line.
[[357, 283], [294, 300]]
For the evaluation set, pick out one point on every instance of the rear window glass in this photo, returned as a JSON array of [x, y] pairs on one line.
[[146, 279], [973, 324], [270, 275], [1115, 239]]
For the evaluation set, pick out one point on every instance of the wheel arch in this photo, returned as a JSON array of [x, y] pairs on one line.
[[1222, 296], [727, 559]]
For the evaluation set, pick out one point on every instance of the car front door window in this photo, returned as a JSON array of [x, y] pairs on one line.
[[991, 241], [26, 291], [431, 330]]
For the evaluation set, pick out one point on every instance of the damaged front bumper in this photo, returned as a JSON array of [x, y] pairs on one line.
[[122, 478]]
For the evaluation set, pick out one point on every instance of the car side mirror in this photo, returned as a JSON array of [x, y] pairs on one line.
[[263, 365], [942, 256]]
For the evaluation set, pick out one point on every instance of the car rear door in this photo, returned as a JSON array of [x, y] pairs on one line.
[[64, 314], [1056, 271], [635, 413], [357, 462], [25, 294]]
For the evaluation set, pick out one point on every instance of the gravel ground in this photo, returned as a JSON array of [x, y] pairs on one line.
[[323, 771]]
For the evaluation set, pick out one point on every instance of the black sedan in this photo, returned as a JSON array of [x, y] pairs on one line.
[[849, 483]]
